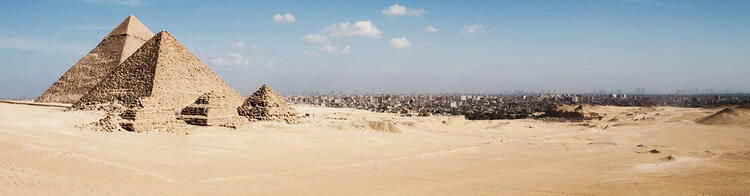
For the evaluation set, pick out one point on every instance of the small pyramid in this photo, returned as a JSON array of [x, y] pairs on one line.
[[117, 46], [211, 109], [265, 104], [155, 83]]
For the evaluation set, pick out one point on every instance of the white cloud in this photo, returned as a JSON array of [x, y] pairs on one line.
[[230, 59], [315, 39], [472, 29], [400, 43], [359, 29], [241, 46], [310, 53], [286, 18], [270, 63], [329, 49], [238, 59], [430, 29], [121, 2], [398, 10], [237, 45]]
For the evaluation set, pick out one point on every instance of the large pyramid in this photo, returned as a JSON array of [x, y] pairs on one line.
[[155, 83], [265, 104], [117, 46]]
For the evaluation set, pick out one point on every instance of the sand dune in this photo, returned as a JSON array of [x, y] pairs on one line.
[[43, 152], [728, 116]]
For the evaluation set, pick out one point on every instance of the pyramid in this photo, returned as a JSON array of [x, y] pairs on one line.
[[155, 83], [211, 109], [265, 104], [117, 46]]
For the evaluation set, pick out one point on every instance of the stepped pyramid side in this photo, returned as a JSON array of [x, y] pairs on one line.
[[181, 77], [211, 109], [155, 83], [119, 44], [129, 82], [265, 104]]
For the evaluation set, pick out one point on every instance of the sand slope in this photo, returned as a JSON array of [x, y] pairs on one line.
[[333, 152], [728, 116]]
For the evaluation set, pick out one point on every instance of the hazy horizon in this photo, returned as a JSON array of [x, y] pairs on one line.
[[405, 46]]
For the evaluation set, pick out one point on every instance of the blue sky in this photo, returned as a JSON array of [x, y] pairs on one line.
[[361, 46]]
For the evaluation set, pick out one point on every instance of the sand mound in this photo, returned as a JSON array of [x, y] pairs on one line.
[[746, 106], [408, 123], [728, 116], [499, 125], [381, 126], [646, 109]]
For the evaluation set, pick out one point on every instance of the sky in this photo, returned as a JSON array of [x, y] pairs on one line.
[[403, 46]]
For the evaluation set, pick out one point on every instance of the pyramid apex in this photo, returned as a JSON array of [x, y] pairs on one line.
[[163, 34], [132, 26], [265, 89]]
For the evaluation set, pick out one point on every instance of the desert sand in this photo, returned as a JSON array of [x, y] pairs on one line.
[[631, 151]]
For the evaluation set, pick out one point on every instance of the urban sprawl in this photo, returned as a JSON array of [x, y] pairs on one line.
[[483, 107]]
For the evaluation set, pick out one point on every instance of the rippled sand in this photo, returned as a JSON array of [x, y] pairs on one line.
[[335, 152]]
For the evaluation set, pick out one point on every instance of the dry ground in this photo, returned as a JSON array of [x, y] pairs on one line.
[[335, 152]]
